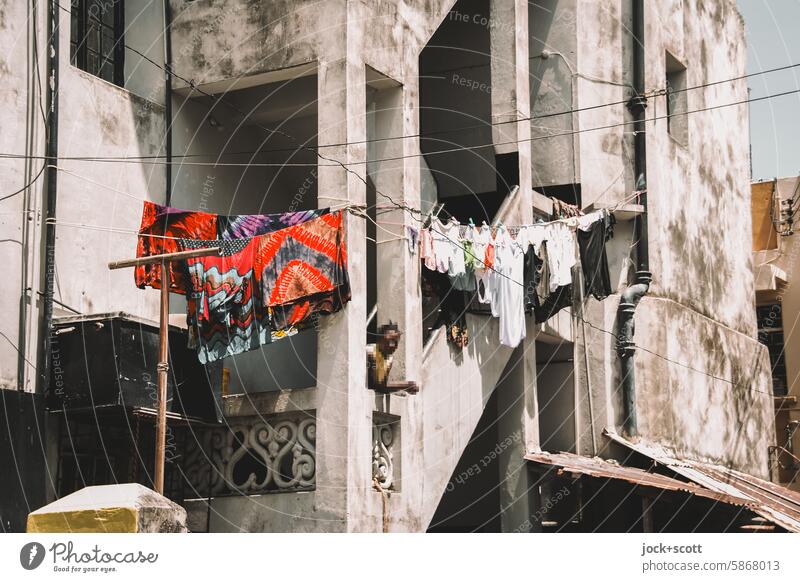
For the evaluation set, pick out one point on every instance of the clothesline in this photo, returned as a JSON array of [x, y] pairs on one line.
[[349, 207]]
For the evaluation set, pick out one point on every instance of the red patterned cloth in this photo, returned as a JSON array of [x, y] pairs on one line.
[[159, 233]]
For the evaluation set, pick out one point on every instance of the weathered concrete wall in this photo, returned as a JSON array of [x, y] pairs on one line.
[[23, 133], [699, 195], [100, 119], [95, 119], [699, 200], [553, 41], [717, 403], [699, 310]]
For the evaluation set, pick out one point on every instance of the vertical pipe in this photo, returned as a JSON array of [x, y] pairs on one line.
[[631, 296], [168, 98], [163, 369], [638, 106], [51, 159]]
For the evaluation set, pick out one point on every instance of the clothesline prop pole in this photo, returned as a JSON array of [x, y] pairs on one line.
[[163, 344]]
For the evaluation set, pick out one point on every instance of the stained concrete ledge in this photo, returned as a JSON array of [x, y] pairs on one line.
[[124, 508]]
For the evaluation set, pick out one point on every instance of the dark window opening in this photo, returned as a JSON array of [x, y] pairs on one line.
[[677, 100], [110, 445], [770, 333], [507, 168], [96, 38], [569, 193]]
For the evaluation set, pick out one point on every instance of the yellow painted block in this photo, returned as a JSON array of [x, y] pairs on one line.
[[106, 520]]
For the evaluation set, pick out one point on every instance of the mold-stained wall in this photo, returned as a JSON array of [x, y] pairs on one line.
[[23, 133], [707, 392], [99, 202]]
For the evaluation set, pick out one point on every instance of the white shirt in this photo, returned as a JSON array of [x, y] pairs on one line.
[[457, 266], [560, 253], [508, 297], [442, 248]]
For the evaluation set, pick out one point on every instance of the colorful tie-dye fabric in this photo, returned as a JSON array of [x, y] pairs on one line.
[[264, 288], [163, 226], [248, 225], [161, 230], [302, 260]]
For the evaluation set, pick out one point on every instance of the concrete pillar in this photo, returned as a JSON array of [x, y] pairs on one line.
[[399, 297], [124, 508], [511, 91], [516, 423], [344, 426]]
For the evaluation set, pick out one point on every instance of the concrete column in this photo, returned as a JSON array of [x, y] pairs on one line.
[[518, 433], [343, 405], [399, 296], [503, 65]]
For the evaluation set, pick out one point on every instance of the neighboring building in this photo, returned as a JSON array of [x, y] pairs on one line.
[[775, 258], [305, 446]]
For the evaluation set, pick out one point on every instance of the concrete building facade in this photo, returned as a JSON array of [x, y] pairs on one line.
[[502, 106]]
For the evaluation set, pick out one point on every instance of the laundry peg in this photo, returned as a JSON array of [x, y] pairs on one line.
[[471, 222]]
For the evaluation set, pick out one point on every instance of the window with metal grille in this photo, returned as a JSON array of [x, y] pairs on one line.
[[770, 333], [96, 38]]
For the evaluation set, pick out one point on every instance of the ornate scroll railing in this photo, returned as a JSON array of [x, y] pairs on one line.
[[253, 455], [385, 450]]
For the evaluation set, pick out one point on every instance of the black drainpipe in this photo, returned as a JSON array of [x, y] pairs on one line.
[[632, 295], [168, 97], [51, 158]]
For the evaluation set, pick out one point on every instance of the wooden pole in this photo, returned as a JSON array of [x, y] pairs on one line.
[[163, 345], [163, 377]]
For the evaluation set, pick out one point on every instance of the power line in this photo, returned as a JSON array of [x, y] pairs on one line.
[[28, 185], [337, 163]]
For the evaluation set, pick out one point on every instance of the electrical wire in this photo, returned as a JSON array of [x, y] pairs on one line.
[[26, 186], [653, 93], [345, 165]]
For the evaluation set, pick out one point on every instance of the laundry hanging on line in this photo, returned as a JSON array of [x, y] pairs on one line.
[[519, 271], [275, 275]]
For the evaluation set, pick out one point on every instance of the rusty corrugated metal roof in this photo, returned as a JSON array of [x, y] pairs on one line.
[[769, 500], [596, 467]]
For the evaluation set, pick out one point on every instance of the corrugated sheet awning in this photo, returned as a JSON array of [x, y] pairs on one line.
[[772, 502], [596, 467]]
